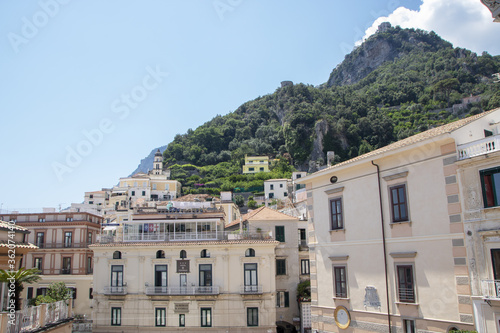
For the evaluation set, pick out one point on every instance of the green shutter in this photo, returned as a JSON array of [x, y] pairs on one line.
[[287, 301], [280, 233]]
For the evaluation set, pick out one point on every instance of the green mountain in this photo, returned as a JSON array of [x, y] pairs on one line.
[[397, 83]]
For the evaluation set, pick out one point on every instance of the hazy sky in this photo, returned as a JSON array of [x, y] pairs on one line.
[[90, 87]]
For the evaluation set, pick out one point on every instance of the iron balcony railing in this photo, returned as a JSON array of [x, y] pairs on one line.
[[62, 245], [193, 290], [491, 288], [479, 147], [115, 290], [252, 289], [406, 295]]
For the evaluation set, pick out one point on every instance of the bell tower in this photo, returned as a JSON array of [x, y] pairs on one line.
[[158, 163]]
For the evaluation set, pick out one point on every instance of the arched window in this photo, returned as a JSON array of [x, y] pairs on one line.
[[160, 254], [117, 255], [183, 254], [250, 253], [204, 253]]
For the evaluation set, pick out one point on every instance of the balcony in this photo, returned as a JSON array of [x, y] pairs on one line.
[[479, 147], [183, 236], [251, 290], [115, 290], [62, 245], [65, 271], [491, 289], [198, 290]]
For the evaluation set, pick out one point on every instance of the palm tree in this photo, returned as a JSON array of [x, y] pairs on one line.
[[19, 277]]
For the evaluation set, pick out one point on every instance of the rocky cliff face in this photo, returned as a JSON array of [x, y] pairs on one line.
[[369, 57], [387, 44], [147, 162]]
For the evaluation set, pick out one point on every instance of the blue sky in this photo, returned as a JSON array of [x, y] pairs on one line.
[[90, 87]]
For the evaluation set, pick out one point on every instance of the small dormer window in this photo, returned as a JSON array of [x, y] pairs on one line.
[[205, 253], [183, 254], [160, 254], [250, 253]]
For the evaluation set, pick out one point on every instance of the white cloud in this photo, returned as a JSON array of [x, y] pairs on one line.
[[464, 23]]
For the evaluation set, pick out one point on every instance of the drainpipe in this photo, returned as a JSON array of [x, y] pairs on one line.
[[384, 246]]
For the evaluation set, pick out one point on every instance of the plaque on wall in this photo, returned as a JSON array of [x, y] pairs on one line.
[[181, 307], [182, 266]]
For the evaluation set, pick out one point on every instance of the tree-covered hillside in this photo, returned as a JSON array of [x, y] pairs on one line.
[[417, 80]]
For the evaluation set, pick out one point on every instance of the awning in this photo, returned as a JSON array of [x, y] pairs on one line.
[[110, 227]]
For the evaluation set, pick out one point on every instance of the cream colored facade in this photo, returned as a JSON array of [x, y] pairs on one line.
[[291, 253], [166, 269], [254, 164], [478, 163], [63, 254], [393, 217]]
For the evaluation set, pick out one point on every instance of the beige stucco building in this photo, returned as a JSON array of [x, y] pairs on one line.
[[292, 257], [63, 254], [387, 240], [170, 269]]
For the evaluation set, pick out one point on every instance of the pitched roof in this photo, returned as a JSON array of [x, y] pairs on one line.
[[13, 226], [5, 243], [429, 134], [266, 213]]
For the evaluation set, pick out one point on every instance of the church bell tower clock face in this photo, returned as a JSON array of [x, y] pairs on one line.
[[342, 317]]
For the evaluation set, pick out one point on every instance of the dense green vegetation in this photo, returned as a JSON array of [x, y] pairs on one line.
[[225, 176], [413, 91]]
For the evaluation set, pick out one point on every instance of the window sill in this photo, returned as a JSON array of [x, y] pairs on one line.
[[341, 298], [337, 230], [406, 303], [392, 224]]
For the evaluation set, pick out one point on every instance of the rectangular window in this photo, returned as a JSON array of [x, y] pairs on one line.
[[66, 265], [38, 264], [68, 238], [250, 276], [90, 270], [160, 317], [490, 183], [271, 195], [160, 275], [250, 169], [409, 326], [116, 316], [406, 287], [205, 275], [495, 258], [116, 275], [272, 187], [304, 266], [261, 169], [182, 320], [281, 185], [143, 193], [336, 214], [40, 239], [41, 291], [340, 281], [29, 294], [206, 317], [91, 295], [280, 266], [252, 316], [280, 233], [133, 193], [282, 299], [89, 237], [399, 204]]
